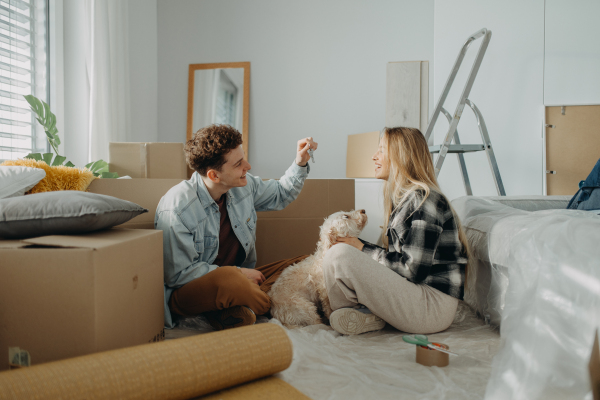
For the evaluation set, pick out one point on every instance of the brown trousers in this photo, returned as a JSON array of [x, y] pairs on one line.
[[227, 287]]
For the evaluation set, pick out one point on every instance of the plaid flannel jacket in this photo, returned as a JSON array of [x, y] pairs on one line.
[[423, 245]]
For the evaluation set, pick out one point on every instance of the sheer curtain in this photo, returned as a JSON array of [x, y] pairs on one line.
[[97, 89], [108, 70]]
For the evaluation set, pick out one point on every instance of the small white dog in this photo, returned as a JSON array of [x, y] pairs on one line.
[[299, 293]]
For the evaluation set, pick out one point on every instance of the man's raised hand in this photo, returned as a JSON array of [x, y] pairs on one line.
[[304, 145]]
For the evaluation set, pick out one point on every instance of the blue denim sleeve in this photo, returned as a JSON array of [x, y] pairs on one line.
[[181, 260], [273, 195]]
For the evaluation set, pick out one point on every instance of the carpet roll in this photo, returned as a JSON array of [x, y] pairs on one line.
[[174, 369]]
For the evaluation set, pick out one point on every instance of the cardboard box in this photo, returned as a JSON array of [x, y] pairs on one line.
[[294, 231], [145, 192], [66, 296], [148, 160], [280, 234], [359, 155]]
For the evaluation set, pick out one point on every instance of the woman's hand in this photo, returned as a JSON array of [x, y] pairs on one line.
[[352, 241]]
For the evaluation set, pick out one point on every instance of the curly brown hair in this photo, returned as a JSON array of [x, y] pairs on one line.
[[208, 147]]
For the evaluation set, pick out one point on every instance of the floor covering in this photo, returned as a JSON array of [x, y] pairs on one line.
[[327, 365]]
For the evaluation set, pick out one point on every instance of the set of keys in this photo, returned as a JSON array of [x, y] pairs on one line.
[[310, 153]]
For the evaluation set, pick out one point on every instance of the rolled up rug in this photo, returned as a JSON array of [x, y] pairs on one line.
[[174, 369]]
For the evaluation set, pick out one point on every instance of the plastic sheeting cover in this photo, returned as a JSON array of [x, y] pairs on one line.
[[327, 365], [488, 239], [551, 305], [486, 286]]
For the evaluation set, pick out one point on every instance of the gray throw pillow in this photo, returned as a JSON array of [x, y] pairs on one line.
[[62, 212]]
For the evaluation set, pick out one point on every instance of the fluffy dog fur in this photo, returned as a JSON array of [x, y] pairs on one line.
[[299, 293]]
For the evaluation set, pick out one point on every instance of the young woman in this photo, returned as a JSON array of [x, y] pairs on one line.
[[415, 281]]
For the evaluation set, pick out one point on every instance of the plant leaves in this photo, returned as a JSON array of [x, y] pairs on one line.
[[51, 127], [34, 156], [34, 103], [69, 164], [47, 114], [98, 167], [47, 158], [46, 118], [59, 160], [111, 175]]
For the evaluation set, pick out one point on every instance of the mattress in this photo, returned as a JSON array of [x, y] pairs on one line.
[[489, 224], [537, 275]]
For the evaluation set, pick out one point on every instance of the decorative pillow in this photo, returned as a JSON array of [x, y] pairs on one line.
[[62, 212], [57, 177], [15, 181]]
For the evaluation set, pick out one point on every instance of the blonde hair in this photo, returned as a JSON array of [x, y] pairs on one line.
[[410, 169]]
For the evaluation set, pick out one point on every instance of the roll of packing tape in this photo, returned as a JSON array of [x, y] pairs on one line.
[[432, 358]]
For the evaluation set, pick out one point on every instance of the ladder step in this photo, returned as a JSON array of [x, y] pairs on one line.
[[458, 148]]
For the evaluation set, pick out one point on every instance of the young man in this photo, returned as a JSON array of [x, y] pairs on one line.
[[209, 230]]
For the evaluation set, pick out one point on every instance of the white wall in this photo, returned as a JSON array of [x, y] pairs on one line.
[[508, 91], [572, 52], [317, 68], [368, 195], [143, 70]]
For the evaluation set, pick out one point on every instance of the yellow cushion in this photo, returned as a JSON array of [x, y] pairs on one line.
[[58, 177]]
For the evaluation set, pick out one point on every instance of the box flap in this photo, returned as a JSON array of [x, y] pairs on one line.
[[165, 161], [145, 192], [128, 159], [318, 199], [148, 160], [94, 240], [359, 153]]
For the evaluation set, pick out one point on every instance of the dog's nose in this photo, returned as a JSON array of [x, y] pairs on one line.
[[362, 211]]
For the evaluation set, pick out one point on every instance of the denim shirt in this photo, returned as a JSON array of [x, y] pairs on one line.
[[588, 196], [190, 221]]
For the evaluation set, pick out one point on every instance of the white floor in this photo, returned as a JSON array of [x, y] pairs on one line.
[[327, 365]]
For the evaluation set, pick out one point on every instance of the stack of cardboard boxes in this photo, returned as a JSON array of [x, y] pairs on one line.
[[65, 296]]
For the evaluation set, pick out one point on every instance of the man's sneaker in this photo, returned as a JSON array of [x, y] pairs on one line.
[[355, 320], [232, 317]]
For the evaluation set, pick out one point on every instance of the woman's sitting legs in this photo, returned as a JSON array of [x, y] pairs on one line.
[[352, 278]]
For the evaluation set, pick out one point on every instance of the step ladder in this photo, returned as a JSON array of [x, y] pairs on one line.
[[452, 134]]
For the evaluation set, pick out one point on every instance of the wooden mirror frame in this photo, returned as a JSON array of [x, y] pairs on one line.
[[190, 111]]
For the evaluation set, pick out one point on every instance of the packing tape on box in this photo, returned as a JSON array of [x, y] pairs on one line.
[[174, 369], [144, 160]]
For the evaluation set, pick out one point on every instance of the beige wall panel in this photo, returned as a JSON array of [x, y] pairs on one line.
[[407, 94]]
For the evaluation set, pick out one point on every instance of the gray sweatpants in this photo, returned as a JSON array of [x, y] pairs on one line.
[[352, 277]]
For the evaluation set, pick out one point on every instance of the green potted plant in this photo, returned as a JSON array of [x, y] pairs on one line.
[[48, 120]]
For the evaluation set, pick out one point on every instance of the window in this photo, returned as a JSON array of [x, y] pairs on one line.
[[226, 101], [23, 70]]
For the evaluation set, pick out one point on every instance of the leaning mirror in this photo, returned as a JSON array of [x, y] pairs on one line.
[[219, 94]]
